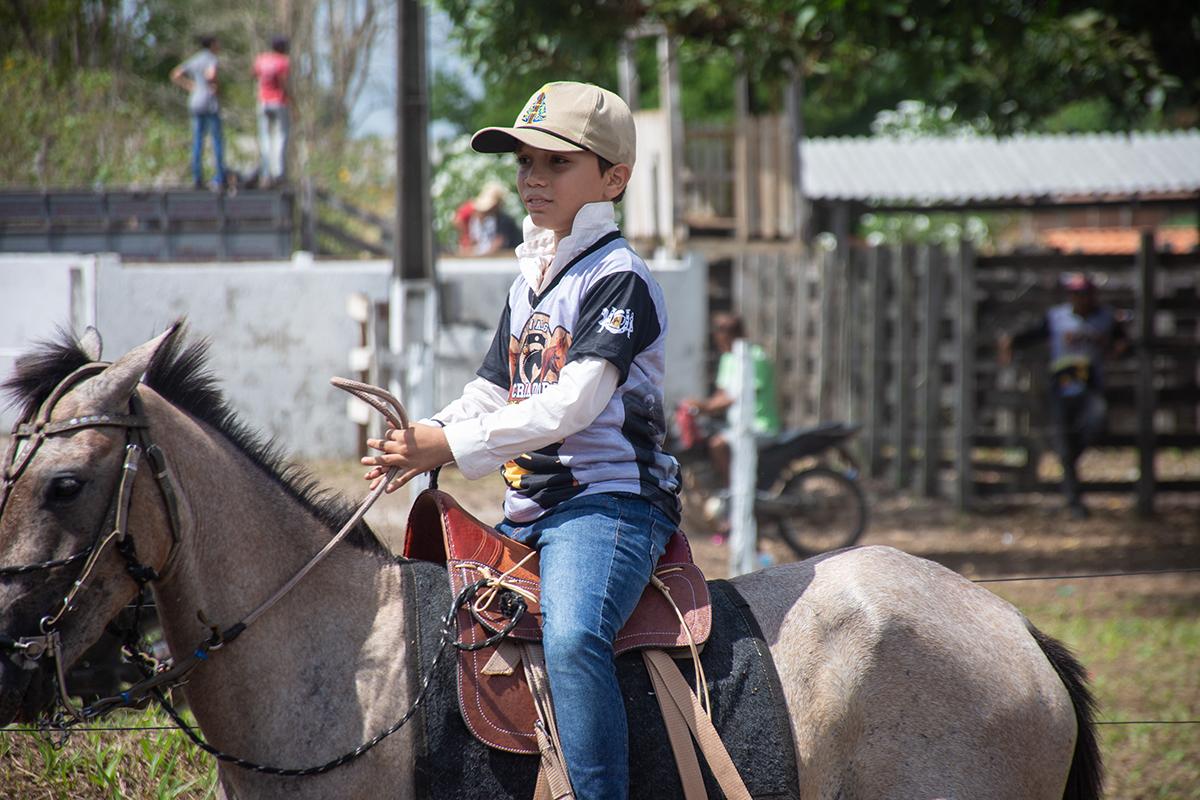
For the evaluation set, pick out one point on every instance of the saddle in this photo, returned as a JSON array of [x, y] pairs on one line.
[[494, 695]]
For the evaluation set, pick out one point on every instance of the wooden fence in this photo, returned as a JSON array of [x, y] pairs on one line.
[[737, 178], [902, 341]]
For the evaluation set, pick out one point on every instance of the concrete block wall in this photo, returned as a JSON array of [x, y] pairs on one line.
[[280, 329]]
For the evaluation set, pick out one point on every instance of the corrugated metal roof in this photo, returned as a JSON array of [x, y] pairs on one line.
[[984, 168]]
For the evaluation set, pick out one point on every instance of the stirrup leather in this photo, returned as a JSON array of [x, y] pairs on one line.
[[553, 782]]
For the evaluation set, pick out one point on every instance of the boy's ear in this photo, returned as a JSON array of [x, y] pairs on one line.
[[616, 179]]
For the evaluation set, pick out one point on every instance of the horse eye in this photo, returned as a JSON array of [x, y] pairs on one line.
[[64, 488]]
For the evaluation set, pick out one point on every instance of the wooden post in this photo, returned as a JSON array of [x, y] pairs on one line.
[[1146, 266], [901, 422], [794, 109], [851, 352], [965, 396], [669, 93], [743, 486], [877, 265], [827, 374], [932, 259], [801, 408], [741, 152]]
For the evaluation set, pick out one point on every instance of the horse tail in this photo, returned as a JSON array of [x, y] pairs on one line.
[[1086, 778]]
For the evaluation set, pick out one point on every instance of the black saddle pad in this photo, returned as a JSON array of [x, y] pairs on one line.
[[747, 709]]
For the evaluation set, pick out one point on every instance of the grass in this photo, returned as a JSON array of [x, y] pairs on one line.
[[1139, 638], [1140, 642], [107, 764]]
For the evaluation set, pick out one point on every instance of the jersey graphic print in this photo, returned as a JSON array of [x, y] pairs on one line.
[[602, 305], [536, 359], [617, 320]]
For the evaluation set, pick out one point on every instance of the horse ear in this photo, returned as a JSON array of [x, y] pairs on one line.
[[91, 343], [115, 385]]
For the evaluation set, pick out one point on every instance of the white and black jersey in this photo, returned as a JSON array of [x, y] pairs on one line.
[[604, 304]]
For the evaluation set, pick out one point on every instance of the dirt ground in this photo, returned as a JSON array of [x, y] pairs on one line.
[[1021, 535]]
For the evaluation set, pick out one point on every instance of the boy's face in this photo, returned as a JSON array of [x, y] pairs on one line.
[[554, 186]]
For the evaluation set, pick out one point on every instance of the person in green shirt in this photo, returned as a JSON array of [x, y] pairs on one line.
[[727, 328]]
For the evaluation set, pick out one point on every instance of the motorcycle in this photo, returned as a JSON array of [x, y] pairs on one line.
[[808, 493]]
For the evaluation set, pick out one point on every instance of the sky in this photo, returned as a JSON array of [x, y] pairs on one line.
[[375, 113]]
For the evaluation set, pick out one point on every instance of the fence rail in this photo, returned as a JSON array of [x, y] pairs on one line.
[[902, 340], [152, 225]]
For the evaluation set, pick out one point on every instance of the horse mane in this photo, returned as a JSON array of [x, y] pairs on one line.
[[180, 374]]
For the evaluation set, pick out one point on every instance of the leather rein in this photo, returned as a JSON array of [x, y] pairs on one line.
[[29, 434]]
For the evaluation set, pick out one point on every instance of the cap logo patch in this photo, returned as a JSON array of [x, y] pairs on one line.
[[536, 110], [617, 321]]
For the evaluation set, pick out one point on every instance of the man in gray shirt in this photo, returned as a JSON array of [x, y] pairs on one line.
[[198, 75]]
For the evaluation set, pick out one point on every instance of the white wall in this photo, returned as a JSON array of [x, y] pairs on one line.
[[280, 330]]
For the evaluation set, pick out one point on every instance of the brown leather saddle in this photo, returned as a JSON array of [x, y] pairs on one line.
[[494, 697]]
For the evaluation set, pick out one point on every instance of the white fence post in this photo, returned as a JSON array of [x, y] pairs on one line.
[[412, 323], [743, 538]]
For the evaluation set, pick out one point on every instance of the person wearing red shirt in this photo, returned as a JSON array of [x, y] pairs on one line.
[[271, 69]]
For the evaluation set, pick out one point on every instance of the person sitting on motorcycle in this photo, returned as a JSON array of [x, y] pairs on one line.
[[727, 328]]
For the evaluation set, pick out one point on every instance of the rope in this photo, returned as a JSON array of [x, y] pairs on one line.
[[1087, 575], [45, 565]]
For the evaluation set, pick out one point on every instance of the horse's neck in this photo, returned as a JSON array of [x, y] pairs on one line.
[[288, 689]]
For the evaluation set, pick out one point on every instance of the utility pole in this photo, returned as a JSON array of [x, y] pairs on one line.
[[412, 316], [413, 256]]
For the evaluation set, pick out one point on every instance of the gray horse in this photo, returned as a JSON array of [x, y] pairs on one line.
[[902, 679]]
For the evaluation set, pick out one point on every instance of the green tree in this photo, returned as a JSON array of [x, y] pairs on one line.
[[1015, 63]]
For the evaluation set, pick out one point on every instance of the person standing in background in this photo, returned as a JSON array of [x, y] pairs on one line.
[[198, 76], [491, 229], [271, 69], [728, 328], [1082, 332]]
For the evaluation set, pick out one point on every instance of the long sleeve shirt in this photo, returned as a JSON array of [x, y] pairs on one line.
[[483, 429]]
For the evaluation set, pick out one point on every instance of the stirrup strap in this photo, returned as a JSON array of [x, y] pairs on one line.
[[681, 742], [553, 782], [669, 682]]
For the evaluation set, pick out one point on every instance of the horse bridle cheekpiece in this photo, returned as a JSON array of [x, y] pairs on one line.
[[29, 434], [27, 437]]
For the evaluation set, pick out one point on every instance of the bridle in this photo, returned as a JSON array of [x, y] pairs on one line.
[[27, 650], [27, 437]]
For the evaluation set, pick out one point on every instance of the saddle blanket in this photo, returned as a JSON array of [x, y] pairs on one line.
[[747, 709]]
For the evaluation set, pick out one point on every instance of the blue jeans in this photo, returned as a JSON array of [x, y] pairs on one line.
[[272, 141], [596, 555], [209, 124]]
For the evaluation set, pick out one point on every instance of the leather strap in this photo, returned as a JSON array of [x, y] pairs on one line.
[[681, 740], [553, 781], [668, 680]]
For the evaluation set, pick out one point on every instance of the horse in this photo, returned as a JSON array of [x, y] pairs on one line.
[[901, 678]]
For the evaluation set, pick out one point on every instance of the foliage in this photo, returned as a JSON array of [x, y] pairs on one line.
[[105, 112], [95, 127], [1014, 63], [936, 228]]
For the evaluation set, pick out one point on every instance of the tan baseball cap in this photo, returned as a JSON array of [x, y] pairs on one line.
[[566, 116]]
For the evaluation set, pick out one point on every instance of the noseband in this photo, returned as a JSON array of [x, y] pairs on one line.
[[27, 437], [27, 650]]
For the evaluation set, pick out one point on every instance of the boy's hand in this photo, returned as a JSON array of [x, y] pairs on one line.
[[414, 450]]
